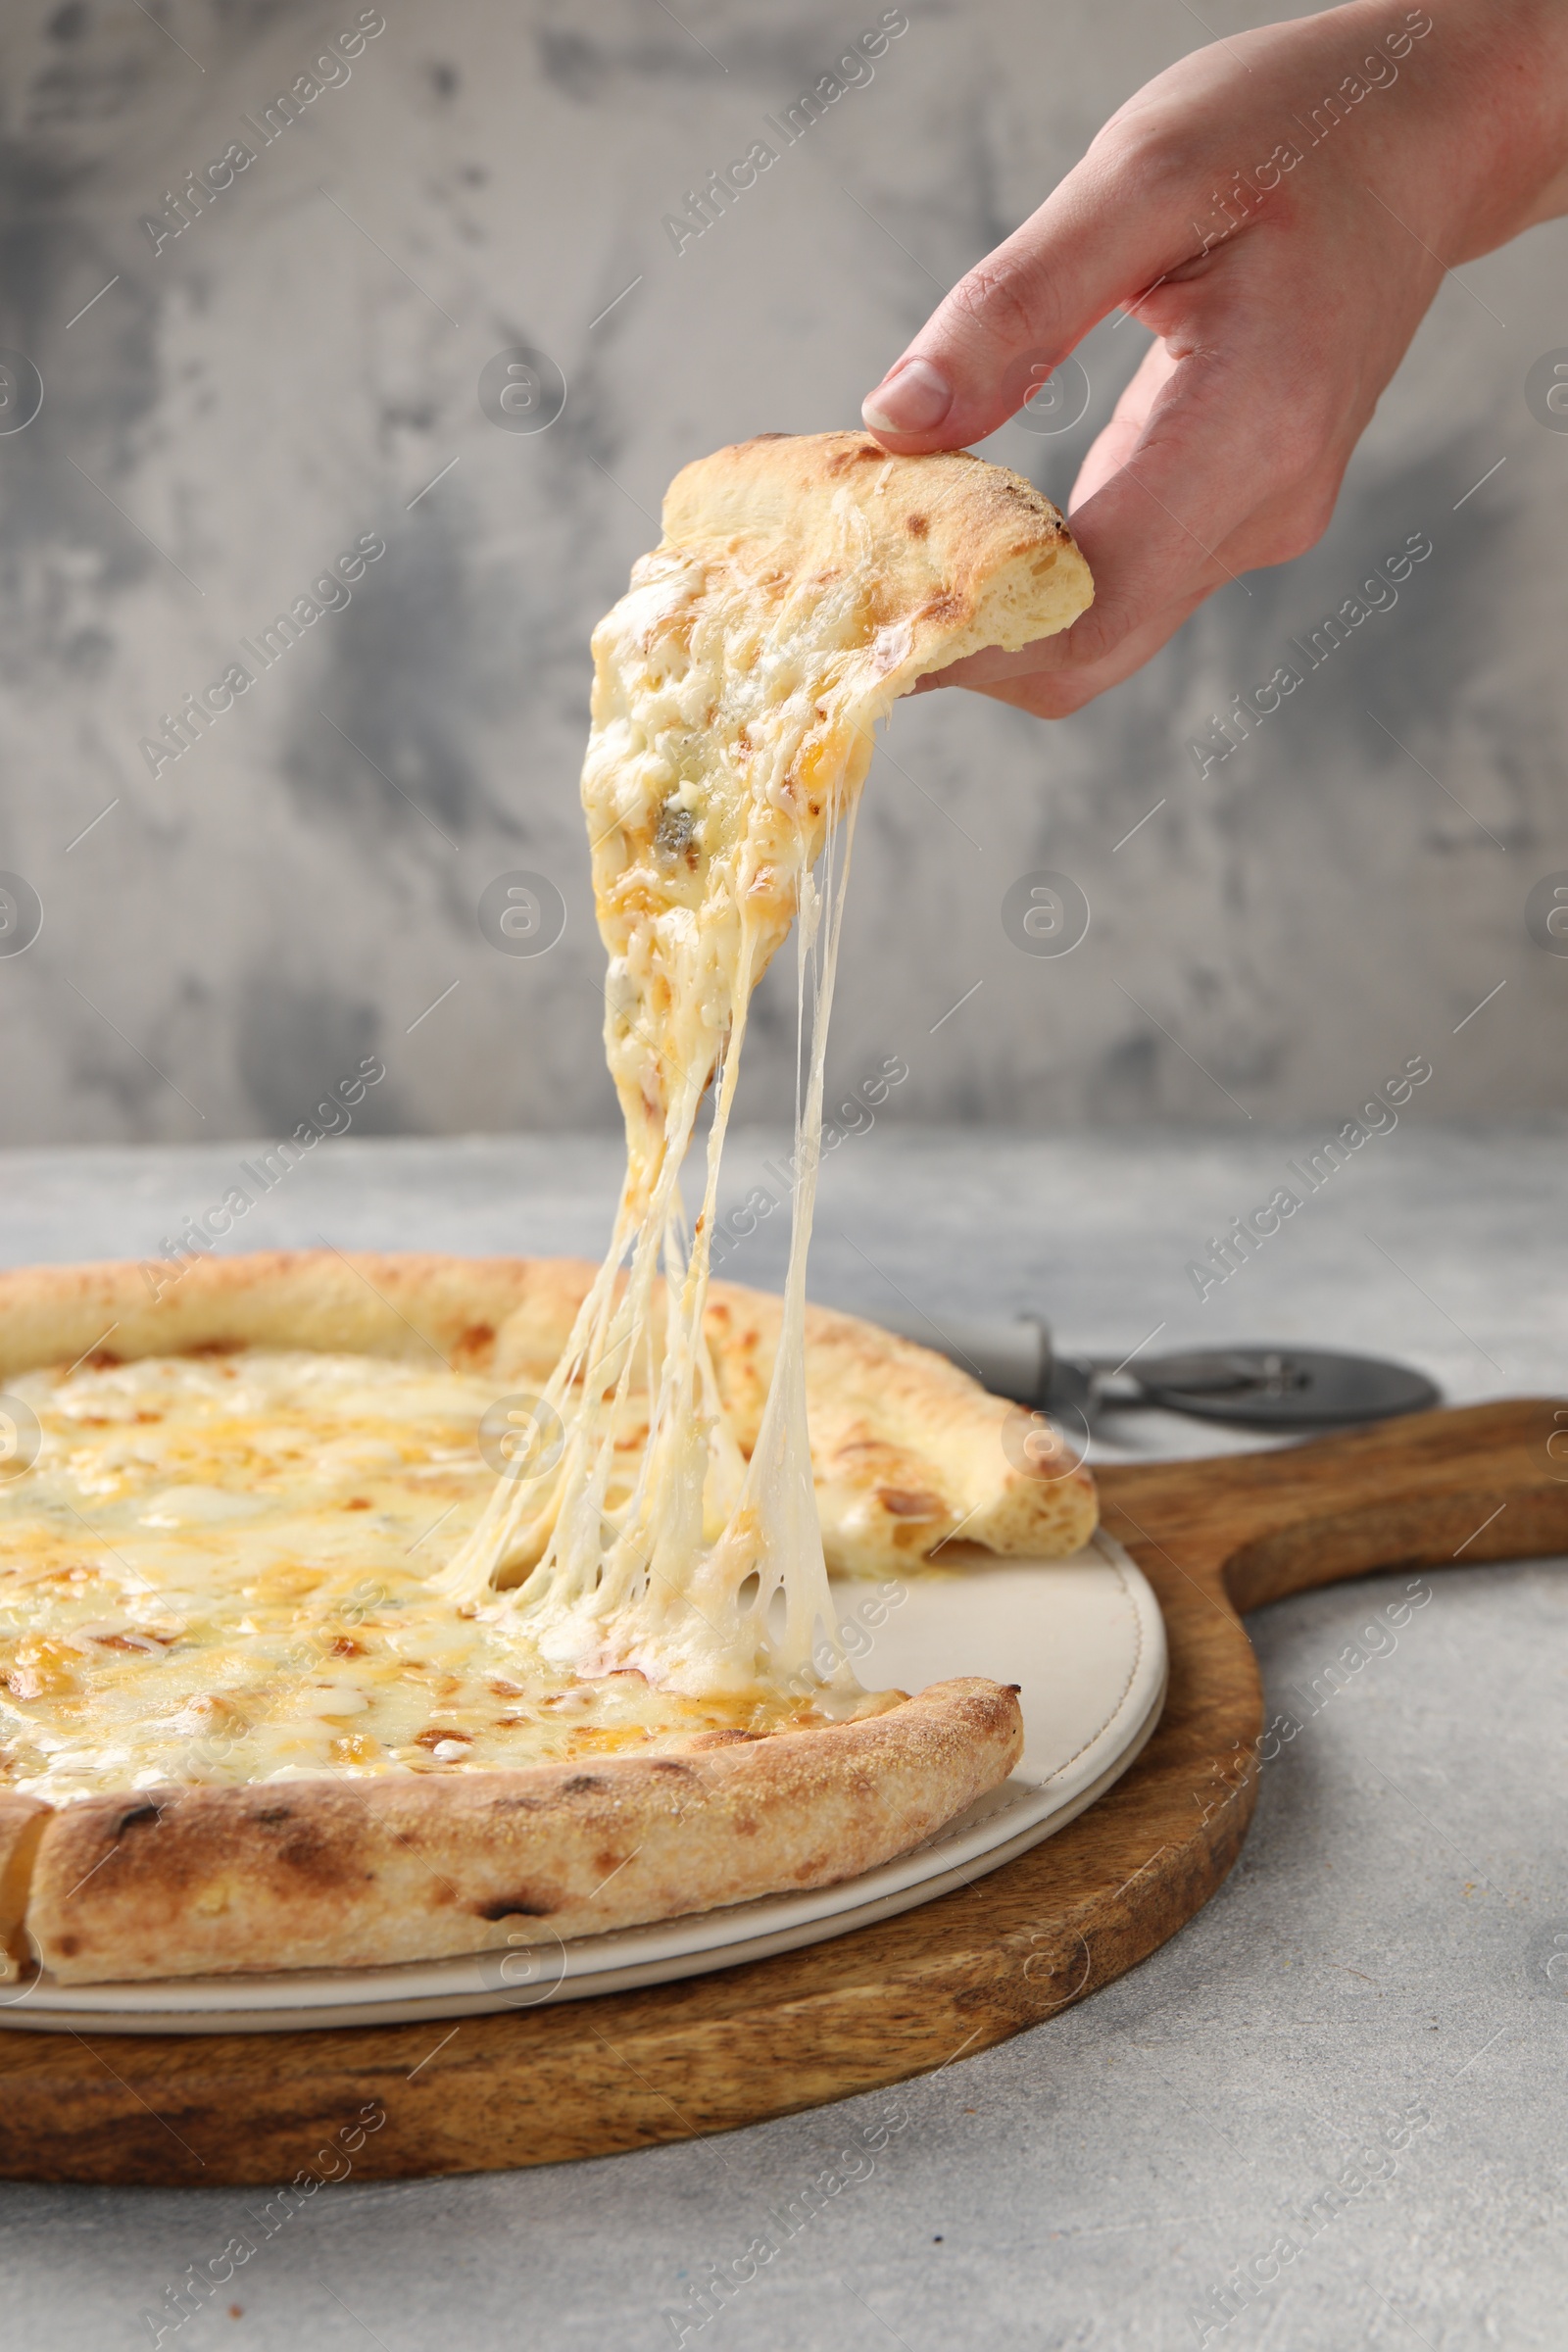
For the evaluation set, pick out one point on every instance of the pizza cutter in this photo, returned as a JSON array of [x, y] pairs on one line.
[[1280, 1387]]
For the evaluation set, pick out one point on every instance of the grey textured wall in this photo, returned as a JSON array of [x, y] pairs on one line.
[[289, 373]]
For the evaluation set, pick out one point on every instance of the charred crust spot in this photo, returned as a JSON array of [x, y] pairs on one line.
[[271, 1817], [477, 1341], [917, 526], [102, 1358], [314, 1856], [582, 1784], [905, 1503], [668, 1764], [67, 1947], [513, 1906], [128, 1820]]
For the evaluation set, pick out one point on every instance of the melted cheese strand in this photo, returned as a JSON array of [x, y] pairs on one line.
[[662, 1597], [774, 1532], [657, 1582]]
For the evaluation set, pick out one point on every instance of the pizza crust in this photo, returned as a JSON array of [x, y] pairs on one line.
[[905, 1448], [398, 1304], [22, 1820], [318, 1874], [953, 552]]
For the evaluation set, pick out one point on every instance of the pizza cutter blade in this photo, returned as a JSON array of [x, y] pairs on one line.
[[1282, 1387], [1279, 1386]]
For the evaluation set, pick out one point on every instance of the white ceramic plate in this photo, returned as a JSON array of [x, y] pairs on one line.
[[1083, 1639]]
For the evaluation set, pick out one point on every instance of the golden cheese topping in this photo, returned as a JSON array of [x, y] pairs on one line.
[[219, 1570]]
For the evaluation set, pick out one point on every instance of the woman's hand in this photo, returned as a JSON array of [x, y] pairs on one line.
[[1279, 210]]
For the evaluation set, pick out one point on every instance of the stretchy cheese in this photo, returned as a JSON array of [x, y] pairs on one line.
[[722, 754], [736, 688]]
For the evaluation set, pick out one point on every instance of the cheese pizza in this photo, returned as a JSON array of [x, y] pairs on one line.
[[355, 1611]]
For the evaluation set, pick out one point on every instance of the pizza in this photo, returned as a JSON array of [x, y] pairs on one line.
[[362, 1610]]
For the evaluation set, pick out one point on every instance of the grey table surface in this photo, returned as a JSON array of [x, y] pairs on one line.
[[1393, 1944]]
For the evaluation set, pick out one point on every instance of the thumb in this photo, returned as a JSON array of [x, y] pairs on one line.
[[1102, 237]]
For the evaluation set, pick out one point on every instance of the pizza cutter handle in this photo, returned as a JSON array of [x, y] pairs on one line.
[[1458, 1486]]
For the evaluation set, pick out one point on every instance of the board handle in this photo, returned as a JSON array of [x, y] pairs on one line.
[[1460, 1486]]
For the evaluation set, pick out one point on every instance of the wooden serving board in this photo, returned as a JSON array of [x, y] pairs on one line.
[[592, 2077]]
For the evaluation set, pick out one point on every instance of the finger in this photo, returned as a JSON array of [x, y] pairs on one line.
[[1051, 657], [1119, 224], [1248, 420], [1102, 238], [1111, 448], [1081, 662], [1199, 454], [1059, 675], [1213, 449], [1057, 693]]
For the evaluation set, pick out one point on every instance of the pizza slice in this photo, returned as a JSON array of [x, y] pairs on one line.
[[801, 585]]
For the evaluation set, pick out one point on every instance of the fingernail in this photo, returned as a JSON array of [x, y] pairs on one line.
[[911, 401]]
